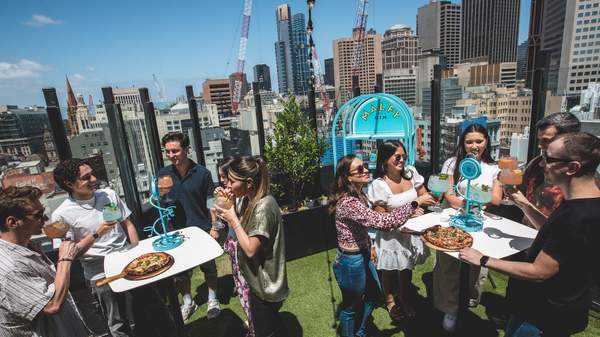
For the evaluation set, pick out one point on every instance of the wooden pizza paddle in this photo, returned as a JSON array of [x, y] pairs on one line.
[[133, 277], [111, 278]]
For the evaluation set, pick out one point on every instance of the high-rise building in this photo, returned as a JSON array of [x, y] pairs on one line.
[[489, 30], [128, 96], [283, 49], [426, 61], [262, 75], [368, 67], [580, 62], [481, 73], [329, 77], [299, 54], [438, 28], [291, 51], [522, 61], [401, 83], [218, 92], [400, 48], [554, 23], [22, 130]]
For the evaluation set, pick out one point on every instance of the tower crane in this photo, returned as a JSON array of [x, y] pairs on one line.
[[160, 88], [320, 83], [239, 74], [358, 33]]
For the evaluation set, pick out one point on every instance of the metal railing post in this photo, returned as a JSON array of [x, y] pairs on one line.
[[436, 92], [118, 135], [260, 125], [57, 125], [152, 130], [193, 107]]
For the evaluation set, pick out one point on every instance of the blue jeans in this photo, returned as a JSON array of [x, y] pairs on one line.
[[358, 281], [517, 327]]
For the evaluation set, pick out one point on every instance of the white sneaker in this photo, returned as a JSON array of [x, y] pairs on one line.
[[449, 323], [213, 309], [187, 310]]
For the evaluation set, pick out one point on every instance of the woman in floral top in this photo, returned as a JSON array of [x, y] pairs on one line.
[[354, 271]]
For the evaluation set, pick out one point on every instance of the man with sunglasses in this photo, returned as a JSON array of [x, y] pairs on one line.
[[34, 295], [544, 196], [549, 291]]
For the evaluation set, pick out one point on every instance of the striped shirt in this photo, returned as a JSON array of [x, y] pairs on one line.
[[26, 286]]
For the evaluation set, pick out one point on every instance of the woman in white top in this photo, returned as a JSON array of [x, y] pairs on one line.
[[474, 140], [397, 252]]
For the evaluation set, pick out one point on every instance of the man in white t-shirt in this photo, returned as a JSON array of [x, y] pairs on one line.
[[96, 238]]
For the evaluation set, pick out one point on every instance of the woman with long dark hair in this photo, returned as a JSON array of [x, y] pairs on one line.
[[353, 268], [261, 245], [474, 141], [397, 184]]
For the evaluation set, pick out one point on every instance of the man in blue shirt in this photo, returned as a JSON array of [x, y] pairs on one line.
[[192, 185]]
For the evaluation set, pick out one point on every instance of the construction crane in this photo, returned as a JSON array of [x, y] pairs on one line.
[[320, 84], [160, 88], [358, 33], [239, 74]]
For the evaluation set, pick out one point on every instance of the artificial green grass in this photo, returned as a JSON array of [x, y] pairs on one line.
[[314, 297]]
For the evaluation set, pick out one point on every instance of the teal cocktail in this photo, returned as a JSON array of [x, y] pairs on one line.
[[111, 212], [438, 185]]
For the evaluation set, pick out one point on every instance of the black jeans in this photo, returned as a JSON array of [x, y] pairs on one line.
[[265, 316]]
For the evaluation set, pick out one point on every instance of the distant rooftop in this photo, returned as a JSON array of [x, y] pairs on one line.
[[398, 26]]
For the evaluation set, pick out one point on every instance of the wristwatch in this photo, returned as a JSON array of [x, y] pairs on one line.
[[95, 235], [414, 204], [484, 260]]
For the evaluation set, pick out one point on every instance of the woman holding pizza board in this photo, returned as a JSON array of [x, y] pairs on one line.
[[353, 268], [475, 141]]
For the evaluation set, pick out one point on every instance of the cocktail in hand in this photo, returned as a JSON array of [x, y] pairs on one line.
[[437, 185], [223, 199], [508, 163], [57, 229], [510, 178]]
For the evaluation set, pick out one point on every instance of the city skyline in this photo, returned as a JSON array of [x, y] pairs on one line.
[[46, 41]]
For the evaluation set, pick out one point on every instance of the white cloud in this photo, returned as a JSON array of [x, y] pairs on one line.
[[22, 69], [39, 20], [78, 77], [91, 68]]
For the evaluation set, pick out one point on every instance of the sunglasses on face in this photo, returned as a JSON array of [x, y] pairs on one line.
[[39, 215], [399, 157], [364, 168], [550, 160]]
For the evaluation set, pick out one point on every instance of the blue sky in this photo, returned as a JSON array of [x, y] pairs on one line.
[[122, 43]]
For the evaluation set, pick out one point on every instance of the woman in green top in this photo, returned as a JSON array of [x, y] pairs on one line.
[[261, 253]]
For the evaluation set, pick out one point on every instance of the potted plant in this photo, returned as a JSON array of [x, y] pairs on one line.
[[293, 154]]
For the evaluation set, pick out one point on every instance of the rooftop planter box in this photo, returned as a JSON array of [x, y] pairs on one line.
[[308, 232]]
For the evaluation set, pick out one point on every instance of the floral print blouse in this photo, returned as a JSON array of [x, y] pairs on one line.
[[353, 217]]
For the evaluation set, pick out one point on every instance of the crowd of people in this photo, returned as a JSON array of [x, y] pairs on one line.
[[549, 285]]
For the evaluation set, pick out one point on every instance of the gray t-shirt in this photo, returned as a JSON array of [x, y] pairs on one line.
[[26, 286], [266, 272], [84, 217]]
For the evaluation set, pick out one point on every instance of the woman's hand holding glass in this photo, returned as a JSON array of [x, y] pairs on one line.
[[227, 214], [438, 185]]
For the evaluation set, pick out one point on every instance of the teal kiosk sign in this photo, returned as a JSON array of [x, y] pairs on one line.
[[374, 116]]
